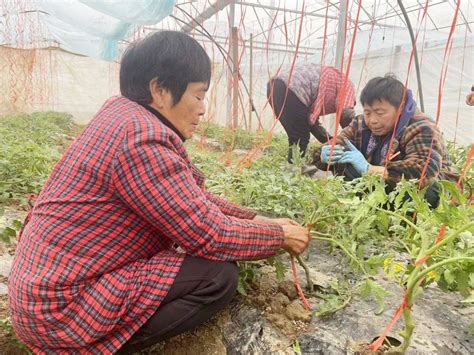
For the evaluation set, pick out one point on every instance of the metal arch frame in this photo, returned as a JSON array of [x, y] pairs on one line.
[[219, 5]]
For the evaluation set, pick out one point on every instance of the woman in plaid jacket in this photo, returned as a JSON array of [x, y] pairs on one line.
[[124, 246], [392, 138]]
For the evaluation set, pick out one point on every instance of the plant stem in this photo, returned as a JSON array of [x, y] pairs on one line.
[[413, 281], [422, 274], [447, 239], [407, 332], [319, 219], [403, 218], [309, 282], [349, 254]]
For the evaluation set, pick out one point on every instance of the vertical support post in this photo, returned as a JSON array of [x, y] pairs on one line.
[[235, 77], [271, 15], [229, 77], [251, 83], [341, 35]]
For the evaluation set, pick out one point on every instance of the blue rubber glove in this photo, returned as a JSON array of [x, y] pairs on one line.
[[354, 157], [336, 154]]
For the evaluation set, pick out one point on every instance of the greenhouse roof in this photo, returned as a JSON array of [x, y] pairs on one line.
[[97, 28]]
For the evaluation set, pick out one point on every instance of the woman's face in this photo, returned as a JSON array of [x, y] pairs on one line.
[[187, 113], [380, 117]]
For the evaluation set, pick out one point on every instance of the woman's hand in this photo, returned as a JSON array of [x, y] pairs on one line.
[[295, 236], [295, 239]]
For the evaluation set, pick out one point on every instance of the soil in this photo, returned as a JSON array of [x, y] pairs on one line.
[[271, 319], [9, 345]]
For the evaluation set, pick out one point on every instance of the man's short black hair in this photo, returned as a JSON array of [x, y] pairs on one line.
[[387, 88], [173, 58]]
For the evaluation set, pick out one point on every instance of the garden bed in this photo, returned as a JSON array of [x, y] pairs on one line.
[[362, 259]]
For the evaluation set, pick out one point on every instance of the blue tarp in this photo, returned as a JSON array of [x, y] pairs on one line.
[[94, 27]]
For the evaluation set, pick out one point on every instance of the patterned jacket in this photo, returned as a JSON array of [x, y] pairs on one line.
[[319, 87], [409, 153], [98, 254]]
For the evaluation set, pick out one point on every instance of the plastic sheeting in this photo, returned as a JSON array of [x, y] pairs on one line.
[[94, 27]]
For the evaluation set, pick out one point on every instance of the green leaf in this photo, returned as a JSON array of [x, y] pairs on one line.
[[330, 304], [7, 234], [379, 293], [296, 347], [242, 287], [469, 299], [448, 276], [462, 281], [374, 263], [17, 224]]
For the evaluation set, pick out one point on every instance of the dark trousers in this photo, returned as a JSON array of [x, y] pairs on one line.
[[293, 115], [201, 288]]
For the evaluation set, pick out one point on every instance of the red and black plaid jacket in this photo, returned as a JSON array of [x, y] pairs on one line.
[[98, 254]]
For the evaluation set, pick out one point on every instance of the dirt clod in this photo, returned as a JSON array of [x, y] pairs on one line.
[[296, 311], [287, 287]]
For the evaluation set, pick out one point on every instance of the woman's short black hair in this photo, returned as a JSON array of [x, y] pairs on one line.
[[387, 88], [173, 58]]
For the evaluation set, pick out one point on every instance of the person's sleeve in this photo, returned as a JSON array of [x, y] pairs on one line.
[[230, 209], [318, 108], [319, 132], [349, 132], [423, 154], [157, 184]]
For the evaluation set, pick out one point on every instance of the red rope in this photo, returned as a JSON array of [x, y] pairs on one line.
[[248, 158], [448, 43], [460, 85], [378, 343], [342, 94], [458, 185], [298, 287], [470, 155], [400, 108]]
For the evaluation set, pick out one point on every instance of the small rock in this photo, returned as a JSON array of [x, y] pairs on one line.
[[213, 144], [278, 302], [296, 311], [240, 152], [320, 279], [267, 282], [282, 323], [3, 289], [260, 300], [6, 261], [308, 169], [320, 174], [288, 288], [283, 299]]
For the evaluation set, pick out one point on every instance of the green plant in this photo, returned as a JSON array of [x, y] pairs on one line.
[[8, 231], [30, 145], [7, 330]]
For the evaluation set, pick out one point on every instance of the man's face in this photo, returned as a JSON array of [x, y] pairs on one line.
[[187, 113], [380, 117]]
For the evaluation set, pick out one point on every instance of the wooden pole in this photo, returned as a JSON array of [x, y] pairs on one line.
[[229, 75], [235, 78], [341, 35], [250, 83]]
